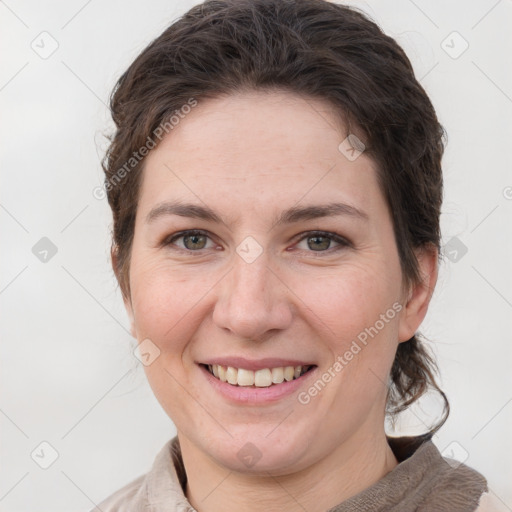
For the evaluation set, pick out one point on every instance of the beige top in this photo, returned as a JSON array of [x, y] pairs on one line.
[[423, 481]]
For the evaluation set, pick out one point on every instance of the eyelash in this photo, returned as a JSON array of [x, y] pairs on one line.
[[310, 234]]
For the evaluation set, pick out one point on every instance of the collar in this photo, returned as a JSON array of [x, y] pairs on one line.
[[423, 481]]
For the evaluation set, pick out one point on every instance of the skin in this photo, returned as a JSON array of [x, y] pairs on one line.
[[248, 157]]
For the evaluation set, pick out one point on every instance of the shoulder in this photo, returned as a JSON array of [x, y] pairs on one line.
[[129, 498], [437, 482], [489, 503], [161, 483]]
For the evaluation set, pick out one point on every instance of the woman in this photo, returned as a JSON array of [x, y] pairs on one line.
[[275, 182]]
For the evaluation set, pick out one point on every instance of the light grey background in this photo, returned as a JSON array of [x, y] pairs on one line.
[[68, 376]]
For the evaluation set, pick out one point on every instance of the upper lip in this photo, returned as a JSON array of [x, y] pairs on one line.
[[255, 364]]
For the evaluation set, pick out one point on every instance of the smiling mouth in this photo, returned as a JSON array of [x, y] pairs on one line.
[[263, 378]]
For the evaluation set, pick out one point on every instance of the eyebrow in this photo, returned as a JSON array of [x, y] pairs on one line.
[[289, 216]]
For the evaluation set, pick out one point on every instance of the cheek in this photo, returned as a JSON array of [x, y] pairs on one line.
[[170, 303], [355, 309], [165, 308], [161, 300], [349, 299]]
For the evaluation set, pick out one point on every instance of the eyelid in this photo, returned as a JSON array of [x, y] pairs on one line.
[[342, 241], [186, 232]]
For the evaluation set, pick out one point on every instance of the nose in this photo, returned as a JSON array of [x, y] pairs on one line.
[[253, 301]]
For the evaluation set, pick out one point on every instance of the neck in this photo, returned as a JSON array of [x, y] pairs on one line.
[[349, 469]]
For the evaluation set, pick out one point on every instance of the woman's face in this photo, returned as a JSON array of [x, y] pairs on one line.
[[259, 289]]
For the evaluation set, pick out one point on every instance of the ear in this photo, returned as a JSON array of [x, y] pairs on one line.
[[126, 295], [420, 293]]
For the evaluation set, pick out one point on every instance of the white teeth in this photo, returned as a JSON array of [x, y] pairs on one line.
[[222, 372], [277, 375], [232, 375], [263, 378], [289, 372], [260, 378], [245, 377]]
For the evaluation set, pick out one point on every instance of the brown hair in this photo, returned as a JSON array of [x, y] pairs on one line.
[[313, 48]]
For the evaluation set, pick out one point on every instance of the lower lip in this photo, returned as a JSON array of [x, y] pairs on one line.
[[254, 395]]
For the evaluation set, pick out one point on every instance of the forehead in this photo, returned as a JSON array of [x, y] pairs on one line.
[[269, 148], [267, 126]]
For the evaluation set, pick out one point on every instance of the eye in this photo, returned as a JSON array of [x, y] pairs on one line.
[[321, 241], [196, 240], [193, 240]]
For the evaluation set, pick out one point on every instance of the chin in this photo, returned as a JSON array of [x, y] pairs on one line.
[[255, 451]]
